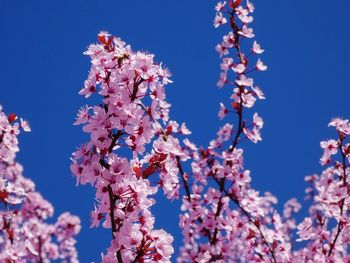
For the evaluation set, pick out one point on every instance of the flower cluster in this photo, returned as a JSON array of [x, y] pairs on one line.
[[132, 121], [326, 231], [225, 219], [24, 233]]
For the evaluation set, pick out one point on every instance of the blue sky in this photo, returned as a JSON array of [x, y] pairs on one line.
[[42, 69]]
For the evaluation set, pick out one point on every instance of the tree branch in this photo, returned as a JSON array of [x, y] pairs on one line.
[[111, 214], [184, 180], [342, 202], [251, 219]]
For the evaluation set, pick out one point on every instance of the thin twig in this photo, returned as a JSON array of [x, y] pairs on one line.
[[342, 202]]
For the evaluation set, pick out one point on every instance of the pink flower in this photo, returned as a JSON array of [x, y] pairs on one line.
[[220, 5], [226, 64], [228, 40], [258, 121], [131, 236], [184, 130], [250, 6], [258, 92], [219, 20], [243, 178], [190, 144], [260, 65], [239, 68], [221, 49], [306, 230], [256, 48], [330, 146], [341, 125], [248, 99], [325, 159], [254, 134], [95, 217], [83, 115], [25, 125], [162, 244], [244, 81], [225, 131], [223, 111], [243, 15], [222, 80], [247, 32], [165, 74], [251, 203]]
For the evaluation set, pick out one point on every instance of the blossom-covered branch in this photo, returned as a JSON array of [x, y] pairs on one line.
[[24, 233], [209, 213], [330, 193], [131, 120]]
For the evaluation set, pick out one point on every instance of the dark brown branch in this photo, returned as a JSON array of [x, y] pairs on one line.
[[135, 88], [112, 207], [218, 211], [342, 202], [241, 89], [115, 138], [240, 126], [40, 251], [184, 180], [111, 214], [240, 123], [110, 192]]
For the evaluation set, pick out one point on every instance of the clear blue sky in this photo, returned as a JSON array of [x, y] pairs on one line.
[[42, 69]]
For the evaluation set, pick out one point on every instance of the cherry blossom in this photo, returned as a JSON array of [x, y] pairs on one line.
[[26, 236], [134, 149], [133, 116], [256, 48], [329, 193], [219, 20], [132, 140], [260, 65], [229, 223]]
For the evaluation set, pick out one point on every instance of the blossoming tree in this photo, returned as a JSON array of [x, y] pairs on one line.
[[224, 219], [133, 139]]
